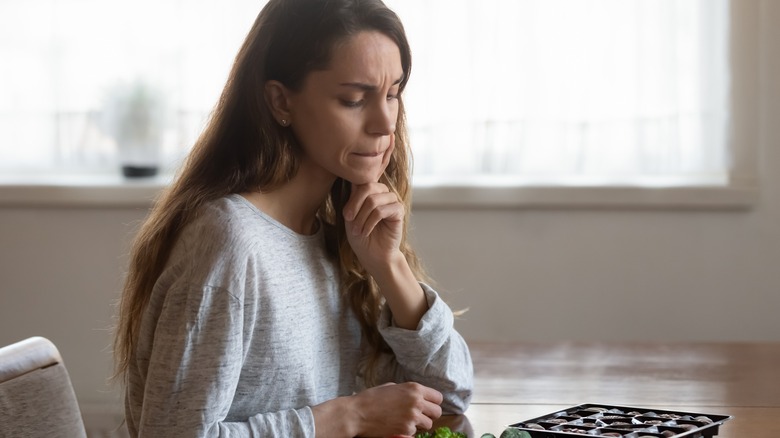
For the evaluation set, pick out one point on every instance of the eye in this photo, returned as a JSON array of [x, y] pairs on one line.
[[393, 94], [352, 103]]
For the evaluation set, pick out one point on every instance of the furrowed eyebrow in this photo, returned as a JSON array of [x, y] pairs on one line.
[[366, 87]]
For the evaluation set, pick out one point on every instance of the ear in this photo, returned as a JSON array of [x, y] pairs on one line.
[[277, 96]]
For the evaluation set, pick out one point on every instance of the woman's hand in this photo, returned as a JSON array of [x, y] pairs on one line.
[[397, 410], [400, 409], [383, 411], [374, 220]]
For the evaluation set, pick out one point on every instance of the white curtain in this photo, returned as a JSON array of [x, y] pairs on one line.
[[63, 61], [569, 91], [502, 91]]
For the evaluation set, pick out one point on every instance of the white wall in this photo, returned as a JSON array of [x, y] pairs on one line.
[[524, 273]]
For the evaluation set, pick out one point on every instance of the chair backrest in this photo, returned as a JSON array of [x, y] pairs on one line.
[[36, 395]]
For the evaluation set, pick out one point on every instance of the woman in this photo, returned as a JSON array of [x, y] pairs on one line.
[[272, 291]]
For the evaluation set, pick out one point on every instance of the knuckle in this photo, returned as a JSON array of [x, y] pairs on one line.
[[371, 202], [375, 216], [415, 388], [382, 211]]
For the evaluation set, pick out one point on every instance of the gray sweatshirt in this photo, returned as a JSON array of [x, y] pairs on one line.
[[246, 330]]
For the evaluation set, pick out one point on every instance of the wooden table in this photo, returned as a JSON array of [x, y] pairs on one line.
[[520, 381]]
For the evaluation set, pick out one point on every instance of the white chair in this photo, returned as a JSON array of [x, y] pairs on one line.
[[36, 395]]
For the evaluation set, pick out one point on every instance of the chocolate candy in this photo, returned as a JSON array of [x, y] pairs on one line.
[[614, 421]]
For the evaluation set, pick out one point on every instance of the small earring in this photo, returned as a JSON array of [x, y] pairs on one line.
[[284, 122]]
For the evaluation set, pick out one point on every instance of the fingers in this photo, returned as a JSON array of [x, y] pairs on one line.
[[432, 406], [403, 409], [376, 209], [368, 205], [358, 196], [431, 412], [429, 406], [433, 396], [421, 418]]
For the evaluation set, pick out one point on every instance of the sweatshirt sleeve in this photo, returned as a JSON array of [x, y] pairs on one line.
[[434, 354], [194, 369]]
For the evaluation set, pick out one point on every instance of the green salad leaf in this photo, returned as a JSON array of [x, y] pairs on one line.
[[442, 432], [445, 432]]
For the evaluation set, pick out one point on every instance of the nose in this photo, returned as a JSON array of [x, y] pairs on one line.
[[382, 118]]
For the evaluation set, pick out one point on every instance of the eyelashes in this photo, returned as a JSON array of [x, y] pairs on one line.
[[352, 103], [359, 103]]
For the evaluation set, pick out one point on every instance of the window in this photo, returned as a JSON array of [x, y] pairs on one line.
[[68, 64], [570, 91], [503, 92]]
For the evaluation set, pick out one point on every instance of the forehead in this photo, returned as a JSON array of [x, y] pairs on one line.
[[370, 57]]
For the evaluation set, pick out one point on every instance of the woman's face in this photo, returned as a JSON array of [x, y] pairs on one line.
[[344, 117]]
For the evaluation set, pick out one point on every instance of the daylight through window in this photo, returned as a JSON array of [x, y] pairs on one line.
[[502, 91]]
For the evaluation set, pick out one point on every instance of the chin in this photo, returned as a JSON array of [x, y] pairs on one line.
[[359, 178]]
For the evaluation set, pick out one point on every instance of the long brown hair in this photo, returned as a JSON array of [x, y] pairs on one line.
[[242, 149]]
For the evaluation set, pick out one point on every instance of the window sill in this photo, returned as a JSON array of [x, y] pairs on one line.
[[79, 191], [588, 197], [114, 191]]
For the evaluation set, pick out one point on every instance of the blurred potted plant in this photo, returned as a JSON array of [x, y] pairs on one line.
[[134, 116]]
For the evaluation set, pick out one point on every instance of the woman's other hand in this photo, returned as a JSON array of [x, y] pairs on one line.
[[383, 411], [397, 409]]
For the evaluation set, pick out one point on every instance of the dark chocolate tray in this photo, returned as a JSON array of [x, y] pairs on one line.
[[595, 420]]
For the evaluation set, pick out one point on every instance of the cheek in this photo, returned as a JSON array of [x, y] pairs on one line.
[[310, 129], [324, 147], [325, 137], [326, 121], [326, 132]]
